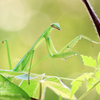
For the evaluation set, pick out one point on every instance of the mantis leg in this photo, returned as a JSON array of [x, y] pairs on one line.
[[8, 54], [64, 52], [30, 67], [50, 46], [72, 43], [23, 62]]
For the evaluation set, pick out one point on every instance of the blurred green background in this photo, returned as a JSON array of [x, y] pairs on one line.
[[23, 21]]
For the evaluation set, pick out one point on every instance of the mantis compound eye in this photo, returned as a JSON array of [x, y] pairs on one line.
[[56, 26]]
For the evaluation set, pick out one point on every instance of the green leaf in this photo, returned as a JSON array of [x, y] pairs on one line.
[[76, 84], [88, 61], [10, 73], [25, 77], [98, 58], [55, 84], [10, 91], [78, 81], [97, 75], [90, 82], [33, 89]]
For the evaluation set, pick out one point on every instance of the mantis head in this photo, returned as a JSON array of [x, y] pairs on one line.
[[56, 26]]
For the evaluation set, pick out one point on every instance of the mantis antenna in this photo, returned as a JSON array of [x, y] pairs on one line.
[[65, 13], [62, 15], [52, 15]]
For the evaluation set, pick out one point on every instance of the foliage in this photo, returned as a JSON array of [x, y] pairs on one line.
[[92, 80], [38, 83]]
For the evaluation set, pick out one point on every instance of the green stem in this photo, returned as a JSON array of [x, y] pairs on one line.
[[89, 90], [46, 76], [40, 91]]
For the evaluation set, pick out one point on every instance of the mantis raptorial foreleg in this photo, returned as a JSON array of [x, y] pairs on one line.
[[65, 51], [72, 43]]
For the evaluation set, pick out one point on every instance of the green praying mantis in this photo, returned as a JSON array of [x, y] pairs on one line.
[[64, 53]]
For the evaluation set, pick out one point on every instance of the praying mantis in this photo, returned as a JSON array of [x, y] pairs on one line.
[[64, 53]]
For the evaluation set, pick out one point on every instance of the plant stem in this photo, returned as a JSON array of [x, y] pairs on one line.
[[63, 78], [89, 90], [40, 91]]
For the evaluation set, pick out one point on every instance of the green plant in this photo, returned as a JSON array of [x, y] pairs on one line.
[[33, 86], [92, 80], [39, 83]]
